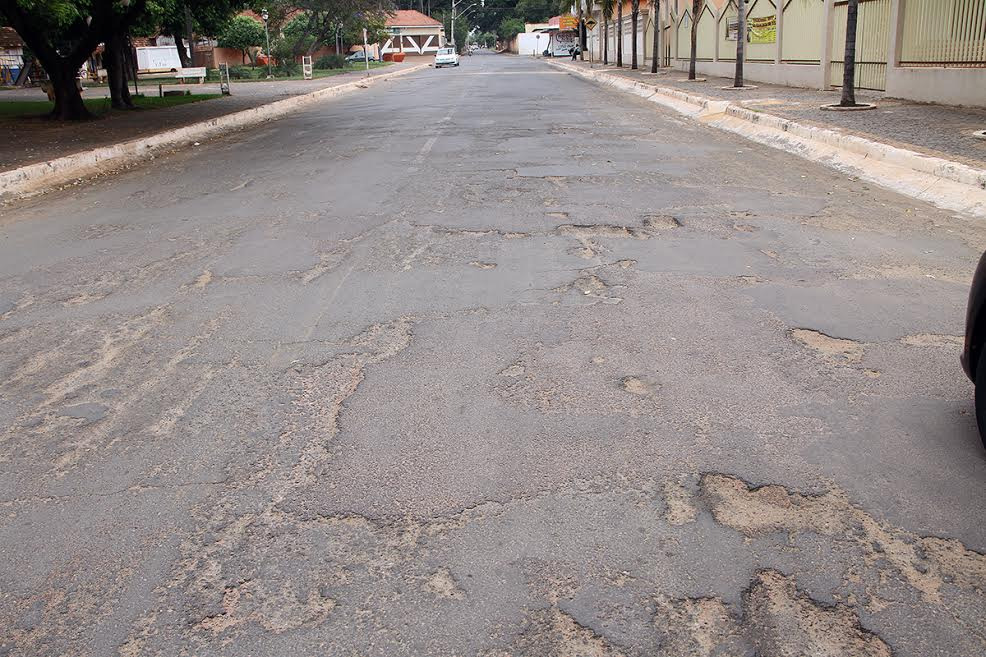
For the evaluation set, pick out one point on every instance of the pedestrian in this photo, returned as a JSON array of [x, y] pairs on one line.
[[573, 51]]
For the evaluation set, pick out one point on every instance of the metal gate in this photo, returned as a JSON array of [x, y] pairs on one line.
[[872, 38]]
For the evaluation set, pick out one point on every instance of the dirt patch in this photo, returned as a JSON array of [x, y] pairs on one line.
[[443, 584], [554, 633], [659, 222], [680, 510], [590, 285], [932, 340], [835, 350], [638, 385], [783, 621], [698, 627], [926, 563], [513, 371]]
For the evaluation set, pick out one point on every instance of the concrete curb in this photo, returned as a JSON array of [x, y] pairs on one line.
[[36, 178], [944, 183]]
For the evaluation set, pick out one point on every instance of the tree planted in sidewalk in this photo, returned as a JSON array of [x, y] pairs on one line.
[[243, 33], [655, 11], [697, 7], [740, 42], [619, 33], [849, 61], [634, 18], [607, 12], [63, 34]]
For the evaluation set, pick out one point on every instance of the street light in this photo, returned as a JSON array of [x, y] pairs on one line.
[[264, 15], [456, 3]]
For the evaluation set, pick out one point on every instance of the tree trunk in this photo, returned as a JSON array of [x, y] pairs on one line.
[[619, 34], [696, 13], [605, 40], [655, 61], [182, 55], [656, 50], [68, 98], [115, 59], [740, 43], [849, 63], [581, 33], [634, 18]]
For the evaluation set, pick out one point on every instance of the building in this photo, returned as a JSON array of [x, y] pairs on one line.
[[413, 33], [924, 50], [11, 55]]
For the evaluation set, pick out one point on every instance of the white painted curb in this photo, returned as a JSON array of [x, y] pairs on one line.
[[944, 183], [36, 178]]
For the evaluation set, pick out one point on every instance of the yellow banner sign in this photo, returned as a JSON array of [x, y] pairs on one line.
[[763, 29], [568, 23]]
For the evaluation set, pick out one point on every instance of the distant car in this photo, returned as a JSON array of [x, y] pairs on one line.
[[974, 352], [358, 57], [446, 57]]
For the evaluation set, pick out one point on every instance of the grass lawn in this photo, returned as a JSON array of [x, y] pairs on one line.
[[258, 74], [98, 106]]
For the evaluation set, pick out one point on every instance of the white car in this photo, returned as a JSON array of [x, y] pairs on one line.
[[446, 57]]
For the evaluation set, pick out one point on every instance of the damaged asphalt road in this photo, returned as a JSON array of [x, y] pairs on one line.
[[487, 362]]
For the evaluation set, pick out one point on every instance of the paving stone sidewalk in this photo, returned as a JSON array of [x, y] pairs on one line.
[[37, 139], [939, 130]]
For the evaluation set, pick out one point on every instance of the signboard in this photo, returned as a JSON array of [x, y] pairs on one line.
[[732, 27], [763, 29], [590, 23], [568, 23], [561, 42]]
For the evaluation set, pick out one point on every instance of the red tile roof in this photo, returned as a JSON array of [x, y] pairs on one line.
[[9, 38], [411, 18]]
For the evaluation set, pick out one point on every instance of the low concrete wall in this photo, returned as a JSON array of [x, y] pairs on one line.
[[955, 86], [809, 76]]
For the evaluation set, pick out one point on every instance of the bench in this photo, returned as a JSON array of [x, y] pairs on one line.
[[179, 74]]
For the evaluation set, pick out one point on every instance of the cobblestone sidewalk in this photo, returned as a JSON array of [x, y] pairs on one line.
[[938, 130]]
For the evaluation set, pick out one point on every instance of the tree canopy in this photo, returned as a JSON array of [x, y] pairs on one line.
[[242, 33]]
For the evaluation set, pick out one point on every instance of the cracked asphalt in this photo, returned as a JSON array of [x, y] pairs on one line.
[[487, 361]]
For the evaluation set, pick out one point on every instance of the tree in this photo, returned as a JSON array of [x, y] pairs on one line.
[[849, 62], [534, 11], [607, 12], [619, 33], [740, 42], [180, 18], [509, 28], [655, 10], [63, 34], [243, 33], [697, 7], [580, 31], [634, 17]]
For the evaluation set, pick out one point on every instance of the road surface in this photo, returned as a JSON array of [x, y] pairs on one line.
[[487, 361]]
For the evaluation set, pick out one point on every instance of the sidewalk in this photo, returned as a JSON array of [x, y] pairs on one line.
[[41, 140], [937, 130]]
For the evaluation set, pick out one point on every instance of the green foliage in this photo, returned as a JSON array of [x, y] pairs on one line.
[[509, 28], [330, 61], [242, 33], [286, 68], [535, 11], [608, 7]]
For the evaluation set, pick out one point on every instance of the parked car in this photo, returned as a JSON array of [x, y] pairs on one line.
[[974, 352], [358, 57], [446, 57]]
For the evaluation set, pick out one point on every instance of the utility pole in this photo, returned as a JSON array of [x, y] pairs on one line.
[[265, 16]]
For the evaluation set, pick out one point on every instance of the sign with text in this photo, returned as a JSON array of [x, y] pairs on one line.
[[568, 23], [763, 29]]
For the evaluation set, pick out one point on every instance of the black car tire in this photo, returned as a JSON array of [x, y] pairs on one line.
[[981, 396]]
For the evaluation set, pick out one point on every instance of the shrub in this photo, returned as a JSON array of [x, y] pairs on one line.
[[330, 61], [287, 68]]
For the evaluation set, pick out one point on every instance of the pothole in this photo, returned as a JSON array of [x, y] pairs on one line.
[[483, 265], [639, 385], [932, 340], [837, 350]]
